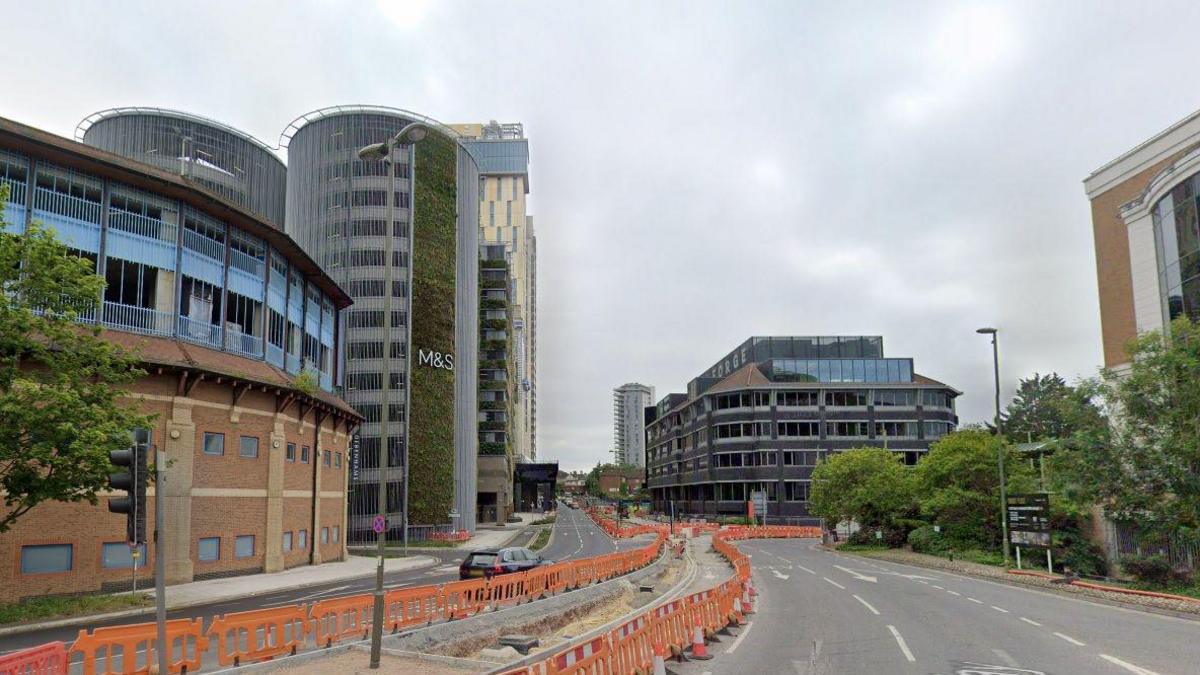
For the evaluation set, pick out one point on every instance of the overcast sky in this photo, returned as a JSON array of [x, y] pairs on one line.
[[704, 172]]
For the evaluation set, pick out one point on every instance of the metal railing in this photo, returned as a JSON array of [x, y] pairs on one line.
[[240, 343], [205, 246], [1125, 541], [201, 332], [274, 354], [16, 190], [143, 226], [138, 319], [66, 205], [246, 263]]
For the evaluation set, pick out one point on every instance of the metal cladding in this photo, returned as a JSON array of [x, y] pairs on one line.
[[231, 163]]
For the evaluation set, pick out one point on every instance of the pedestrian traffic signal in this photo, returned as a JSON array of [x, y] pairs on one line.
[[133, 483]]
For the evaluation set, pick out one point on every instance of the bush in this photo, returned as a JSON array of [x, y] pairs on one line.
[[893, 537], [1156, 570], [1075, 553], [926, 540]]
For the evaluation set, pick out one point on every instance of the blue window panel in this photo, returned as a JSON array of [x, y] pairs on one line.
[[906, 371], [246, 284], [312, 322], [136, 248], [327, 381], [203, 268], [274, 355], [14, 218], [277, 297], [293, 364], [74, 233]]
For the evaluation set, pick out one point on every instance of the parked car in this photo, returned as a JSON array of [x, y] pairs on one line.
[[490, 562]]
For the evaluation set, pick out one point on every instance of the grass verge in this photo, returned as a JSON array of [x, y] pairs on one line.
[[45, 608], [540, 541]]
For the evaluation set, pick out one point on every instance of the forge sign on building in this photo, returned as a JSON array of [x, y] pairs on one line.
[[225, 310]]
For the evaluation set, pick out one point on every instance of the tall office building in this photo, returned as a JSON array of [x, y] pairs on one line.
[[629, 422], [502, 152], [337, 208]]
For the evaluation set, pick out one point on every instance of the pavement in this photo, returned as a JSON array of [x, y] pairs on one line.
[[821, 613], [574, 536]]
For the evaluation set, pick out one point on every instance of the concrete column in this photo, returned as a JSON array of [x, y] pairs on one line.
[[276, 449], [176, 528], [315, 535]]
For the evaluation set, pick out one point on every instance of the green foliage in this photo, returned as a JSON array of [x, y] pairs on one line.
[[959, 486], [1044, 408], [1145, 469], [494, 324], [492, 448], [489, 345], [305, 382], [61, 383], [493, 264], [1156, 570], [543, 538], [1073, 551], [867, 485], [54, 607], [925, 540], [431, 451], [492, 303], [492, 405]]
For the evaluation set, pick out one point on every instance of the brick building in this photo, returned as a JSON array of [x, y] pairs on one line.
[[226, 313], [611, 480]]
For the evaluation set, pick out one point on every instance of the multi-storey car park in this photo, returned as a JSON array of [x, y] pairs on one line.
[[762, 417], [226, 312]]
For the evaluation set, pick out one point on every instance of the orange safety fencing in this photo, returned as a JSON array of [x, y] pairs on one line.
[[457, 535], [666, 628], [116, 648], [41, 660]]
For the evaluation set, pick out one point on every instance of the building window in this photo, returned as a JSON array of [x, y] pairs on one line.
[[249, 447], [936, 429], [931, 398], [744, 430], [302, 539], [851, 398], [209, 549], [304, 454], [214, 444], [337, 460], [795, 491], [324, 535], [802, 457], [491, 214], [895, 397], [47, 558], [846, 429], [337, 534], [287, 541], [243, 546], [796, 399], [118, 555], [798, 429], [326, 459], [291, 452], [896, 429]]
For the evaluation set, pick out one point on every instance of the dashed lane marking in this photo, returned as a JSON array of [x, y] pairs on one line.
[[955, 593], [978, 602], [1070, 639], [1031, 622], [867, 605], [834, 583], [903, 645], [1127, 666], [1000, 609], [806, 569]]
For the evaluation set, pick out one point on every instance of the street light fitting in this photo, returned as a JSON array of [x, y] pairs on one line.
[[414, 132], [986, 331], [373, 151]]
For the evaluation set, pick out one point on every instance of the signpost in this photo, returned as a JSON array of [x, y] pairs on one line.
[[379, 524], [758, 502], [1029, 524]]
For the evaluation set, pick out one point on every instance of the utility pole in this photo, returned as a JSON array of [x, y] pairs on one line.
[[163, 648], [1000, 447]]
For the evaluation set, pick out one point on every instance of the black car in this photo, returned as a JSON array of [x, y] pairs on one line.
[[490, 562]]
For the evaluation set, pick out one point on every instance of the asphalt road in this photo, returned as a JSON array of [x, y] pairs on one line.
[[575, 536], [823, 613]]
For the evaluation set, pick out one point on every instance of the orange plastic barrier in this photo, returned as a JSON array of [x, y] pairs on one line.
[[116, 647], [407, 607], [47, 659], [590, 658], [506, 589], [338, 619], [461, 599], [266, 633]]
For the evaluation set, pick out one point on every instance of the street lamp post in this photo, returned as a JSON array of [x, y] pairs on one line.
[[409, 135], [999, 436]]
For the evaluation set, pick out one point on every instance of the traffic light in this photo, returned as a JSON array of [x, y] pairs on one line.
[[133, 482]]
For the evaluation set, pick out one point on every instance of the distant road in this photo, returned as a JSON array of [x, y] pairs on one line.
[[825, 614]]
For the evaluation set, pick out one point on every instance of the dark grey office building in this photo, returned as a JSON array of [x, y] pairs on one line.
[[763, 416]]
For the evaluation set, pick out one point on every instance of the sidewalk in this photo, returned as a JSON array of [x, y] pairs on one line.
[[495, 536], [353, 567]]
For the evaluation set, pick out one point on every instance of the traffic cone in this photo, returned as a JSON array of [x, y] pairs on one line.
[[660, 663], [699, 650], [747, 603], [753, 590], [737, 612]]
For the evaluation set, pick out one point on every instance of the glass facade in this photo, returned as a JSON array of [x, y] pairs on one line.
[[232, 164], [174, 271], [1177, 238], [839, 370]]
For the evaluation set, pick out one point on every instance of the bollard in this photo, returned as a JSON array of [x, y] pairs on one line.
[[660, 662], [747, 603]]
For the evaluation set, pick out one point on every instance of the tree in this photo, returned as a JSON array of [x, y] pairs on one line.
[[60, 381], [1144, 467], [1040, 410], [959, 485], [868, 485]]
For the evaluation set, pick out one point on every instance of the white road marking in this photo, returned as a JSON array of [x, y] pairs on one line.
[[903, 646], [291, 601], [939, 588], [1127, 666], [834, 583], [806, 569], [738, 641], [856, 575], [1000, 609], [391, 586], [1070, 639], [978, 602], [867, 605], [780, 575], [1031, 622], [956, 593], [1006, 658]]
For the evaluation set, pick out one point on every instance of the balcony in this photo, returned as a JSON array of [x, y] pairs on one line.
[[14, 208], [200, 332], [77, 221], [241, 343], [134, 319]]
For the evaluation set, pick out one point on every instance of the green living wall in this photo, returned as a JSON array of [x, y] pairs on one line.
[[431, 451]]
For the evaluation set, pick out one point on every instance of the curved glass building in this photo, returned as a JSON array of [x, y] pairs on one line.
[[233, 164], [337, 209]]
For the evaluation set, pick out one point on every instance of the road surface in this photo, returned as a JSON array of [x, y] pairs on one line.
[[575, 536], [824, 613]]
